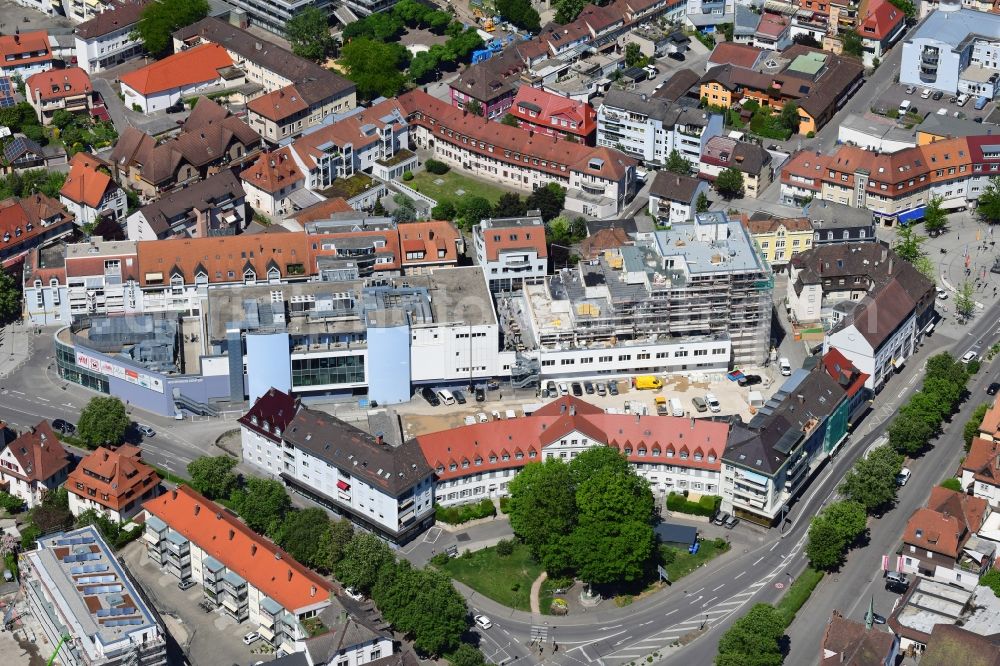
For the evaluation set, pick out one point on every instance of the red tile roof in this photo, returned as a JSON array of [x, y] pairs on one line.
[[13, 47], [256, 559], [843, 372], [272, 171], [58, 83], [432, 237], [991, 420], [356, 129], [731, 53], [772, 25], [879, 19], [483, 447], [39, 453], [22, 221], [199, 64], [984, 461], [946, 523], [491, 140], [278, 104], [119, 474], [498, 239], [321, 211], [270, 414], [85, 184], [549, 107]]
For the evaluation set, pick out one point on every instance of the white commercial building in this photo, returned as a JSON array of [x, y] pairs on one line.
[[512, 251], [109, 38]]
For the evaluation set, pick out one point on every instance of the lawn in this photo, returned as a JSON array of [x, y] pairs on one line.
[[506, 580], [424, 182], [684, 563]]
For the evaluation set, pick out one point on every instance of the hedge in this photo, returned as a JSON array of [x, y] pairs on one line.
[[436, 167], [708, 505], [465, 512]]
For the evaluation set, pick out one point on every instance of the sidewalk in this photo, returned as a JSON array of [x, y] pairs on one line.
[[16, 343]]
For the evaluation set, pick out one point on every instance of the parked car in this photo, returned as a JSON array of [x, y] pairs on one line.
[[483, 622], [186, 584], [577, 389], [470, 420], [731, 522], [679, 57], [714, 405], [910, 90], [145, 430], [430, 396], [937, 95], [551, 390], [480, 394], [459, 397], [749, 380], [354, 594], [613, 388], [876, 618], [64, 427], [493, 385], [588, 388], [896, 582], [962, 99], [251, 637], [942, 294], [699, 403], [969, 357], [904, 476], [601, 389], [563, 388], [482, 418], [721, 518], [993, 388]]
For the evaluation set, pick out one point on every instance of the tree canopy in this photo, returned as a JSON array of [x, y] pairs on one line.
[[677, 163], [971, 428], [871, 482], [303, 534], [520, 13], [103, 421], [729, 183], [262, 503], [377, 68], [308, 32], [965, 302], [988, 206], [423, 604], [833, 531], [161, 19], [213, 476], [549, 200], [909, 244], [364, 558], [10, 296], [935, 217], [754, 639]]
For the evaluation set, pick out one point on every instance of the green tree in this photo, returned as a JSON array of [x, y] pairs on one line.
[[62, 119], [991, 579], [935, 217], [851, 43], [702, 203], [471, 210], [633, 55], [849, 518], [308, 32], [790, 117], [806, 39], [161, 19], [677, 163], [988, 206], [445, 210], [563, 231], [376, 68], [908, 244], [871, 482], [474, 107], [595, 460], [10, 296], [520, 13], [364, 558], [509, 205], [509, 119], [910, 432], [971, 428], [262, 503], [103, 421], [965, 302], [568, 10], [906, 6], [466, 655], [424, 605], [213, 476], [423, 67], [333, 543], [952, 484], [542, 504], [303, 533], [754, 639], [825, 547], [549, 200], [729, 183]]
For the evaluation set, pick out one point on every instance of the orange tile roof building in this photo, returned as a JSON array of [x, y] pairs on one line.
[[34, 464], [980, 470], [59, 90], [477, 461], [165, 82], [512, 251], [113, 482], [24, 54], [554, 115], [244, 573], [270, 182], [29, 223], [880, 25], [89, 191]]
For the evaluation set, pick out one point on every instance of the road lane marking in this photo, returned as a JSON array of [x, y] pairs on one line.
[[698, 590], [709, 601], [716, 589], [758, 560], [776, 544], [670, 613], [738, 575]]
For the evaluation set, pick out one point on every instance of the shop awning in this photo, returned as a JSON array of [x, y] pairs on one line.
[[911, 215], [343, 485]]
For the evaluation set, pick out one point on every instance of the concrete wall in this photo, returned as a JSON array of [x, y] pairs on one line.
[[389, 364], [268, 363]]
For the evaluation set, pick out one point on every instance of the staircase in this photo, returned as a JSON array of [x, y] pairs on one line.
[[525, 372], [200, 408]]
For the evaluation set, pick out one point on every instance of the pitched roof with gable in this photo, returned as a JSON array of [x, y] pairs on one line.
[[432, 237], [945, 524], [359, 129], [731, 53], [850, 643], [675, 186], [321, 211], [120, 475], [843, 372], [991, 420], [772, 25], [123, 14], [200, 64], [876, 318], [549, 109], [495, 77], [273, 171], [678, 85], [256, 559], [345, 632], [58, 83], [202, 196], [279, 104], [726, 152], [764, 223], [984, 461], [604, 239], [602, 163], [86, 184], [24, 48], [21, 220], [270, 414], [39, 453], [878, 19], [971, 510], [950, 645], [482, 447]]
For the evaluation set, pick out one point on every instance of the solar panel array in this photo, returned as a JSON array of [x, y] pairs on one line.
[[82, 557], [6, 93], [73, 541], [89, 568], [116, 612]]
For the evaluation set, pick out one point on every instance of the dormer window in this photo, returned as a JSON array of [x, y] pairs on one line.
[[253, 419]]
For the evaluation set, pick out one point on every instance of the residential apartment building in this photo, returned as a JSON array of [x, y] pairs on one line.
[[164, 83], [112, 482], [25, 54], [89, 192], [478, 461], [954, 50], [837, 223], [29, 223], [770, 460], [383, 488], [752, 160], [33, 464], [108, 39], [704, 15], [298, 93], [273, 16], [216, 206], [44, 283], [894, 187], [979, 472], [673, 198], [239, 571], [492, 83], [79, 11], [74, 585], [880, 25], [512, 251], [846, 641], [101, 277], [819, 84], [66, 89], [271, 181], [554, 115], [940, 540], [651, 129], [599, 181], [210, 140], [779, 238]]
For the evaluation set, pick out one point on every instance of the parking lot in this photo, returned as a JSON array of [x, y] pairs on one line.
[[419, 417], [896, 93], [207, 638]]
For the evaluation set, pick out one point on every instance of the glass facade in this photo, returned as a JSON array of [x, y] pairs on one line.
[[71, 372], [327, 370]]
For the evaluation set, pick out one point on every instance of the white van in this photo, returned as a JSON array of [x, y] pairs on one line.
[[676, 408], [904, 106], [446, 396], [786, 367]]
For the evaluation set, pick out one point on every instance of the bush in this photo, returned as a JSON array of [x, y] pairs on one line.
[[454, 515], [436, 167], [952, 484], [10, 503], [973, 367], [707, 506], [504, 501], [505, 547], [407, 175], [810, 135], [440, 559]]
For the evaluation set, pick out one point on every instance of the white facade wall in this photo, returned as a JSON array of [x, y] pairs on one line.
[[877, 363], [78, 504], [113, 201], [690, 356], [100, 53], [46, 305], [441, 352], [29, 491], [986, 491], [262, 452], [943, 572]]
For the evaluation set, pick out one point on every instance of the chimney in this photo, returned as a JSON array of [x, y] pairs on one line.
[[253, 549], [692, 423], [197, 509], [173, 494], [802, 398], [378, 439], [572, 410], [232, 533], [289, 575]]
